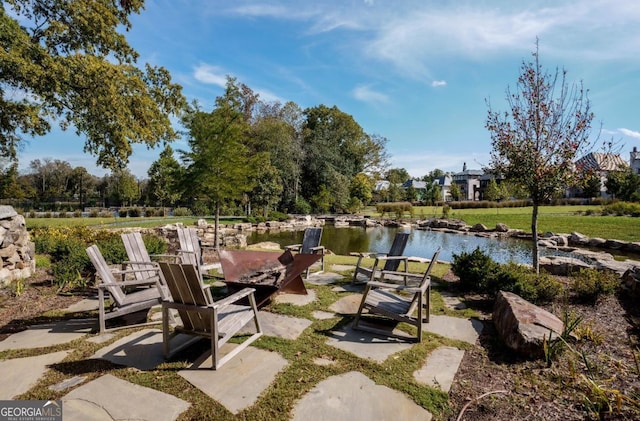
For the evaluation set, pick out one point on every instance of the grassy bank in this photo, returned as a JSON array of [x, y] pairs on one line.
[[558, 219]]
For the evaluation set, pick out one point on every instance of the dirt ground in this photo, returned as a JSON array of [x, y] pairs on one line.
[[492, 383]]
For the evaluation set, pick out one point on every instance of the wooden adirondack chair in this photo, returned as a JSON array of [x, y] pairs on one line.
[[310, 245], [191, 251], [150, 290], [398, 302], [218, 321], [139, 257], [392, 259]]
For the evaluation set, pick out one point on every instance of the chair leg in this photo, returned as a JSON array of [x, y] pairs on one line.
[[419, 324], [102, 325], [214, 340], [165, 331]]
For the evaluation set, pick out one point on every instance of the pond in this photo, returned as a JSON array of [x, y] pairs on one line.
[[422, 243]]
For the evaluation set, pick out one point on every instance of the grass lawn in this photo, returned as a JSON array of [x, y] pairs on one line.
[[558, 219]]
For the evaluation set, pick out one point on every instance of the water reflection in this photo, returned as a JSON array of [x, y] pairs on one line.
[[422, 243]]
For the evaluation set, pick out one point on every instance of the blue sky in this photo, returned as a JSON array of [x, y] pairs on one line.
[[417, 72]]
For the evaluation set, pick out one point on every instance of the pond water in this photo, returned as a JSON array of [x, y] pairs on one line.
[[422, 243]]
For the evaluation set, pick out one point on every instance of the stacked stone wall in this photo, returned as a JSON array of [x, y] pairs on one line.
[[17, 252]]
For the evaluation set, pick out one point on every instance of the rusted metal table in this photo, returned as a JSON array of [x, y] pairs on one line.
[[267, 272]]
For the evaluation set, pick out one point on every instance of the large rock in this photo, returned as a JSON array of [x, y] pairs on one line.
[[523, 326]]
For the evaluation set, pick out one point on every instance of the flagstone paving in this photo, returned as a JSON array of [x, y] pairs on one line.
[[111, 398], [20, 374], [367, 345], [353, 396], [240, 382], [440, 368], [141, 350], [49, 334]]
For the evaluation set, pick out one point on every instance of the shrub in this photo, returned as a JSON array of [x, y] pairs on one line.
[[200, 208], [524, 281], [302, 206], [122, 213], [77, 213], [93, 214], [397, 208], [134, 212], [589, 284], [182, 212], [155, 244], [278, 216], [474, 269]]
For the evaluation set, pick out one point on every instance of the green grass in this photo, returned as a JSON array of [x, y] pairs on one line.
[[558, 219]]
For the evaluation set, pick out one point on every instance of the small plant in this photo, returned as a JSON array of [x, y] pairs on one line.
[[553, 347], [589, 284], [17, 287]]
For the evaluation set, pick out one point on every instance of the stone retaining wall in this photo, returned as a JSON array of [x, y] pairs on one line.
[[17, 252]]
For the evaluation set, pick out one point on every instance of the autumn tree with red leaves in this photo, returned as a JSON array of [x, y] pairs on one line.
[[536, 142]]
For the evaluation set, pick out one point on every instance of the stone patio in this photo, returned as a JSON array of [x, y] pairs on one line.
[[238, 384]]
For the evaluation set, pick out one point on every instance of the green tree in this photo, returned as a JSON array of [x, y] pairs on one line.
[[397, 175], [623, 184], [218, 168], [72, 63], [536, 142], [124, 187], [493, 192], [361, 188], [165, 175], [51, 179], [333, 142], [277, 131], [591, 185], [455, 192], [10, 187], [267, 184]]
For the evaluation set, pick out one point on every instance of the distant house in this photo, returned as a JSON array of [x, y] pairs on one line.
[[419, 186], [602, 164], [634, 160], [469, 182], [444, 183], [382, 185]]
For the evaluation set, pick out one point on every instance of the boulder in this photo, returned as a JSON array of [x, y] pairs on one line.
[[500, 227], [561, 265], [524, 326], [578, 239], [478, 228]]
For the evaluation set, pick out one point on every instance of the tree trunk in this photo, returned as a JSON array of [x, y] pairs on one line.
[[215, 226], [534, 238]]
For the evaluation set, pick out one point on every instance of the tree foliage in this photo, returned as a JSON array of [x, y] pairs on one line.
[[165, 175], [68, 61], [536, 142], [624, 184]]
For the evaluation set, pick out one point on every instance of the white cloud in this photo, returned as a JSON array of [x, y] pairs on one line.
[[629, 133], [438, 83], [364, 93], [211, 75]]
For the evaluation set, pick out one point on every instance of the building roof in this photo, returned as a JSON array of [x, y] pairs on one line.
[[601, 162]]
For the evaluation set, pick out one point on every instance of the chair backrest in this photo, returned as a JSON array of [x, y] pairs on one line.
[[190, 251], [184, 285], [311, 238], [137, 252], [397, 249], [103, 271], [432, 263]]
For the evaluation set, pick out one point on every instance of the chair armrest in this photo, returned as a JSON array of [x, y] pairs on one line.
[[386, 257], [419, 259], [234, 297], [377, 284], [295, 247], [131, 262], [162, 256], [319, 248], [149, 281]]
